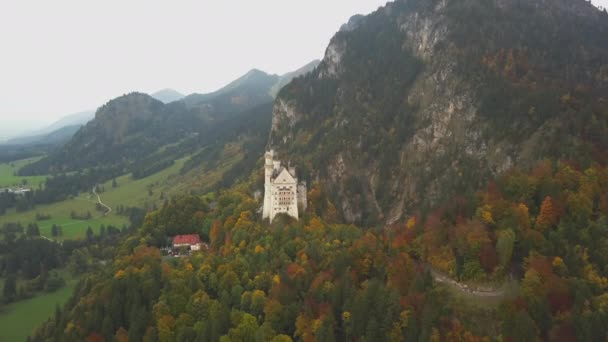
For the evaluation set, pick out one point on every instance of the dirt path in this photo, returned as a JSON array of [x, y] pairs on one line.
[[441, 278], [100, 202]]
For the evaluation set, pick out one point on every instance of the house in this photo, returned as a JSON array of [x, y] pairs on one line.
[[191, 241], [282, 192]]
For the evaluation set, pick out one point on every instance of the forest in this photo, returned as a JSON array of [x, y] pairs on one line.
[[316, 279], [30, 263]]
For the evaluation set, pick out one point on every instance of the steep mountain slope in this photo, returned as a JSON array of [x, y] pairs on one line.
[[167, 95], [423, 100]]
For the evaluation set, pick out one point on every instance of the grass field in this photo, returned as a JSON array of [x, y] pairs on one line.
[[18, 320], [129, 193], [8, 178]]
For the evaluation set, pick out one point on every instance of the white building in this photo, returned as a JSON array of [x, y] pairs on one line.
[[282, 193]]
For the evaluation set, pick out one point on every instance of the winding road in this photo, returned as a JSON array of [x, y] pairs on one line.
[[441, 278], [100, 202]]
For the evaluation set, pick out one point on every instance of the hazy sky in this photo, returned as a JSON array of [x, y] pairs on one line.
[[64, 56]]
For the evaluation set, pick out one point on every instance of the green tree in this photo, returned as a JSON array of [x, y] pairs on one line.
[[90, 234], [245, 331], [32, 230], [55, 230], [520, 327], [9, 292], [504, 246]]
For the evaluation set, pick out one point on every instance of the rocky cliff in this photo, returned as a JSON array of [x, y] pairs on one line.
[[414, 104]]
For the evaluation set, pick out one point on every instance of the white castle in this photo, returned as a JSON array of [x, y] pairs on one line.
[[282, 192]]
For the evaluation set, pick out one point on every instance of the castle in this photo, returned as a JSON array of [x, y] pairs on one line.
[[282, 192]]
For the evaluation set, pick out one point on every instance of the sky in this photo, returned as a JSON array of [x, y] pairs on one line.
[[65, 56]]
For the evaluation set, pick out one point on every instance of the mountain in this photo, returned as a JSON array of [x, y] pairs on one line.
[[252, 89], [57, 137], [59, 132], [131, 133], [124, 130], [80, 118], [424, 100], [167, 95], [248, 91]]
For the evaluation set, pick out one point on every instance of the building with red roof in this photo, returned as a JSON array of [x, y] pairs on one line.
[[193, 241]]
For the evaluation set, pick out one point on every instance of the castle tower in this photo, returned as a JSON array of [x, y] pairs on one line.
[[268, 170]]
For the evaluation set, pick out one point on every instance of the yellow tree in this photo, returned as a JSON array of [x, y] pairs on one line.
[[547, 216]]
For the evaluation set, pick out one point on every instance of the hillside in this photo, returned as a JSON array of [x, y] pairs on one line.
[[423, 100]]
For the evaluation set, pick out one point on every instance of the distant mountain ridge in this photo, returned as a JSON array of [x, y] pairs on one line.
[[250, 90], [168, 95], [80, 118], [57, 137], [131, 131], [288, 77]]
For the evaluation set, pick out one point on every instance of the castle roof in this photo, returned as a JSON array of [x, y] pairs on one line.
[[284, 177]]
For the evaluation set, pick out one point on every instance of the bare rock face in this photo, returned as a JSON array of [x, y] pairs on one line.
[[422, 101], [333, 59]]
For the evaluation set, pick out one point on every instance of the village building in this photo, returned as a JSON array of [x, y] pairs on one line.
[[282, 192], [16, 191], [190, 241]]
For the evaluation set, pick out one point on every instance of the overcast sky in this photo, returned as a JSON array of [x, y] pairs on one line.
[[64, 56]]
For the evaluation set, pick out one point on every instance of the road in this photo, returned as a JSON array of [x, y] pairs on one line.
[[100, 202], [441, 278]]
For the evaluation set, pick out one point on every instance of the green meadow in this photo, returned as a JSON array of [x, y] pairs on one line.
[[143, 193], [8, 177], [18, 320]]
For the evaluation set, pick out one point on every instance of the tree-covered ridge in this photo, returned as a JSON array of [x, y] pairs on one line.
[[318, 280], [548, 227], [438, 97], [301, 280]]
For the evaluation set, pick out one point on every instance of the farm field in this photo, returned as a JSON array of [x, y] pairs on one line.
[[18, 320], [143, 192], [8, 178], [61, 215]]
